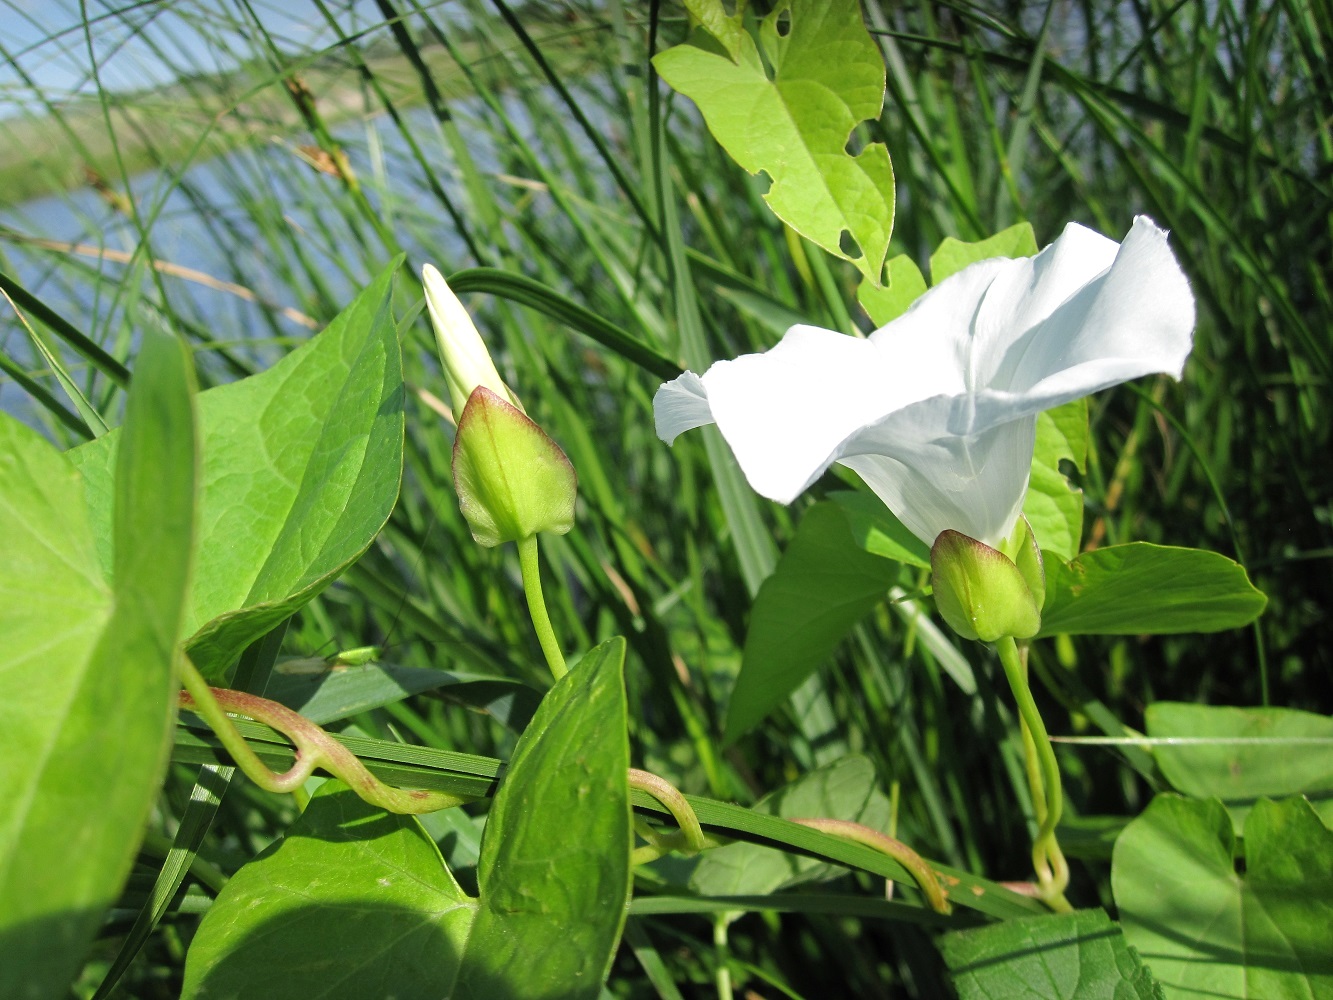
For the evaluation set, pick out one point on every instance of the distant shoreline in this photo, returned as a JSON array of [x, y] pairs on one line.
[[69, 147]]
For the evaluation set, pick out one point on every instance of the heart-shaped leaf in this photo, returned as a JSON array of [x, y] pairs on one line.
[[88, 685], [1206, 929], [352, 902], [300, 469]]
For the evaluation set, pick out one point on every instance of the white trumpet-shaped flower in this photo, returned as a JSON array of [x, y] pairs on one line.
[[937, 410]]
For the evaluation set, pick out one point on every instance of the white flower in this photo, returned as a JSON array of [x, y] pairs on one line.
[[463, 355], [937, 410]]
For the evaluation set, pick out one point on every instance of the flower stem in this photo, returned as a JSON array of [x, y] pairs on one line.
[[528, 558], [1043, 775], [314, 748]]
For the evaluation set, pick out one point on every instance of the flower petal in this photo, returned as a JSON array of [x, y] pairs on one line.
[[932, 480], [1134, 318], [679, 406], [785, 412]]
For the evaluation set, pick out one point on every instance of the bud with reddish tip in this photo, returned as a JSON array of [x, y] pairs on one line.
[[512, 479], [984, 594]]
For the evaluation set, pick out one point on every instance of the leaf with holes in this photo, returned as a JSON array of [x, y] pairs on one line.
[[787, 106]]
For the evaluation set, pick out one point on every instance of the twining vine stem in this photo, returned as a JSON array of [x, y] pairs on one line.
[[1047, 858], [314, 748]]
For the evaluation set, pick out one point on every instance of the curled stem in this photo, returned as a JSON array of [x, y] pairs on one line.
[[314, 748], [529, 563], [689, 839], [1043, 775], [924, 876]]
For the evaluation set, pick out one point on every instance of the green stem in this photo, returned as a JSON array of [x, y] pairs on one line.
[[1046, 851], [314, 748], [528, 558]]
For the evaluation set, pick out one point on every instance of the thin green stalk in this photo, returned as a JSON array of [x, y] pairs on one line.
[[1045, 847], [529, 561]]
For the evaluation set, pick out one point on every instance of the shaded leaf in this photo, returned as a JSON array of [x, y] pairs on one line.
[[878, 531], [824, 584], [325, 692], [794, 123], [353, 902], [845, 789], [88, 685], [554, 867], [1144, 589], [1069, 956], [1206, 930]]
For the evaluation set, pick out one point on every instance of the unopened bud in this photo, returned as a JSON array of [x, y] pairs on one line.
[[512, 479], [983, 594]]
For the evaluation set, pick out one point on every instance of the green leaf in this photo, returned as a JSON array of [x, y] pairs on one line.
[[554, 867], [88, 687], [353, 902], [952, 255], [1053, 505], [1206, 930], [794, 122], [877, 530], [325, 693], [845, 789], [1241, 773], [1143, 589], [1068, 956], [300, 469], [824, 584], [905, 286]]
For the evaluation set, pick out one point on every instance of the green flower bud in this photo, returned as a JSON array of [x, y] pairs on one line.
[[467, 363], [512, 479], [982, 593]]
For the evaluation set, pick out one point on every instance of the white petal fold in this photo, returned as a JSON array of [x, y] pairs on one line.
[[936, 411]]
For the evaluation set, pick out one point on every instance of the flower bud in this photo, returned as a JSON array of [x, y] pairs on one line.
[[983, 594], [512, 479], [467, 363]]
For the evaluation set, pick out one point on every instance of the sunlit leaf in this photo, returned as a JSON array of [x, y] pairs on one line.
[[1144, 589], [300, 469], [554, 867], [789, 110], [1298, 761], [88, 683]]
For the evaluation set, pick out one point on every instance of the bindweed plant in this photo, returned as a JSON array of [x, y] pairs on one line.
[[152, 571]]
